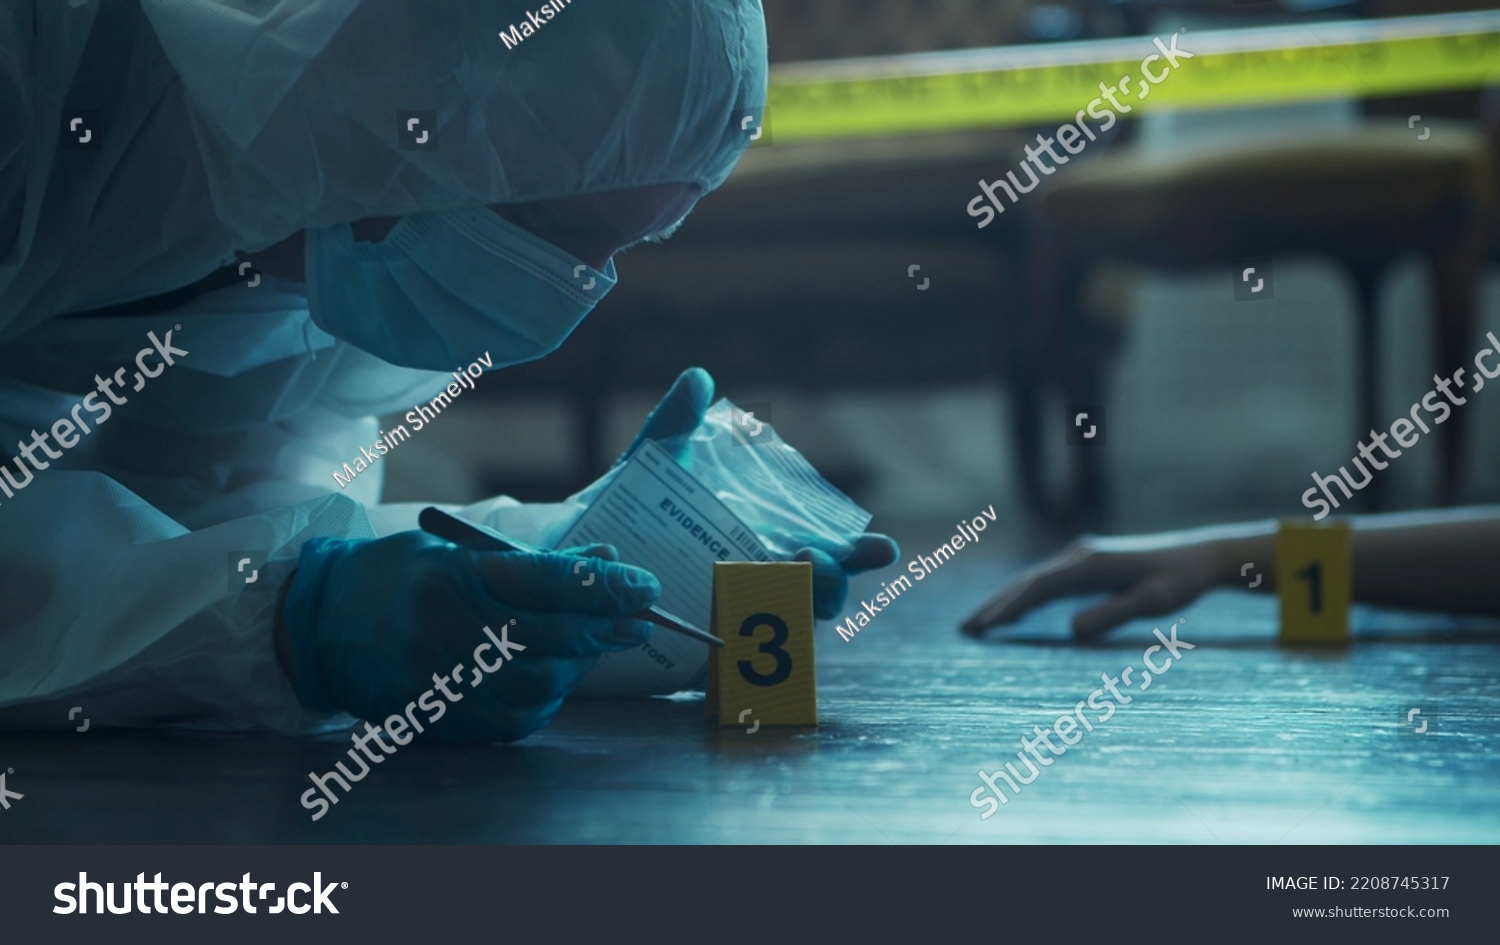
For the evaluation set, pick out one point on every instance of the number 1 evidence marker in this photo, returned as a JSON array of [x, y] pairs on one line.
[[435, 521]]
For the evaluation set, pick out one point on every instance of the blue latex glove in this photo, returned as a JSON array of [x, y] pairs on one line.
[[373, 625], [831, 577], [681, 411]]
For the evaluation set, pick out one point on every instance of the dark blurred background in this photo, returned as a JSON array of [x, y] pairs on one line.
[[791, 286]]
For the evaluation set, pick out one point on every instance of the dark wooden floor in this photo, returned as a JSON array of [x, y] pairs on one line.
[[1239, 742]]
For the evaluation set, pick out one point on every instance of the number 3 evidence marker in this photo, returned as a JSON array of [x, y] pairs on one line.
[[1314, 579], [764, 614]]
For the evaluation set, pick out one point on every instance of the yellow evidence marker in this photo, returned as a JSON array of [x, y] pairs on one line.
[[765, 673], [1315, 581]]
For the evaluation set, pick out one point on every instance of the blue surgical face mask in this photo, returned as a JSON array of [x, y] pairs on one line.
[[444, 288]]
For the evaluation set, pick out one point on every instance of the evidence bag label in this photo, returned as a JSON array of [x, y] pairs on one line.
[[662, 519]]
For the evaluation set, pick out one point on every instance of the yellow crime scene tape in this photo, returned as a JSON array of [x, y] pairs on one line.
[[1022, 85]]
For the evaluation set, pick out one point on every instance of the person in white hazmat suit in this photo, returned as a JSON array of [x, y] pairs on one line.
[[412, 192]]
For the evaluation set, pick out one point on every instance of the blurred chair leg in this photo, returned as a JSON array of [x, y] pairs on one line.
[[1046, 338], [1455, 281], [1084, 384], [1080, 359], [1026, 407], [1023, 377], [1366, 277]]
